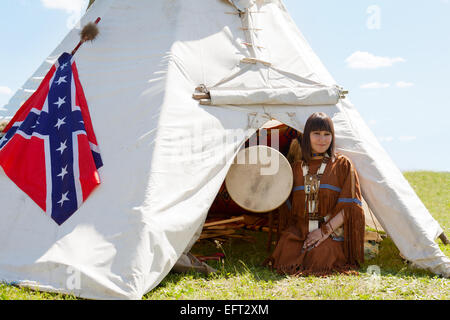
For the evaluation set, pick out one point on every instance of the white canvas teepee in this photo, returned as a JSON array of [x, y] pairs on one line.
[[165, 155]]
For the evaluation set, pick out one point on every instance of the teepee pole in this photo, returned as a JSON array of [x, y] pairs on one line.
[[90, 3]]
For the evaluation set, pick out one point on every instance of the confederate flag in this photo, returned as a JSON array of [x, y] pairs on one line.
[[49, 149]]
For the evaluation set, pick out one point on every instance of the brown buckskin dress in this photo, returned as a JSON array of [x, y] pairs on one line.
[[339, 191]]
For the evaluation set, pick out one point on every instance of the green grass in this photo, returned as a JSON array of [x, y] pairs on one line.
[[8, 292], [241, 275]]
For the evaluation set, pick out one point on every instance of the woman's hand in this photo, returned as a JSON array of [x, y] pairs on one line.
[[317, 236], [314, 239]]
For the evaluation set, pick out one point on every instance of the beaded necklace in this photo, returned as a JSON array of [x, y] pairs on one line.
[[312, 185]]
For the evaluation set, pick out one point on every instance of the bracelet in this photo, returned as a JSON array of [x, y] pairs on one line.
[[325, 228], [332, 231]]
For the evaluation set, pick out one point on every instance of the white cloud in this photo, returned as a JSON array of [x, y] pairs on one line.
[[366, 60], [69, 6], [404, 84], [374, 85], [407, 138], [5, 91], [401, 139], [75, 8], [381, 85], [386, 139]]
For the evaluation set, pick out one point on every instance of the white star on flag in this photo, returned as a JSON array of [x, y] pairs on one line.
[[60, 123], [48, 153], [61, 80], [34, 126], [62, 147], [63, 173], [63, 198], [60, 101]]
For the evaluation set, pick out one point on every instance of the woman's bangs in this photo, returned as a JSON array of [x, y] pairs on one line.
[[320, 124]]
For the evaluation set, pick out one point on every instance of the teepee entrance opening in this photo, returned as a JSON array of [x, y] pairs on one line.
[[228, 220]]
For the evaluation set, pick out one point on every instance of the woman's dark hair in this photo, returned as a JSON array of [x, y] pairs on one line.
[[318, 121]]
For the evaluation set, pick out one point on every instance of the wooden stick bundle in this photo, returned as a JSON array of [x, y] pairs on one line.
[[215, 223]]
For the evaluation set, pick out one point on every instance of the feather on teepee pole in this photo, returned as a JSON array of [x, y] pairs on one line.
[[88, 33]]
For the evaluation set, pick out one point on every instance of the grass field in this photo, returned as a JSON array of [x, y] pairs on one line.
[[241, 275]]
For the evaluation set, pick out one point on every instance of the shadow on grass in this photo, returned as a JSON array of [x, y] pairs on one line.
[[242, 257], [391, 263], [245, 258]]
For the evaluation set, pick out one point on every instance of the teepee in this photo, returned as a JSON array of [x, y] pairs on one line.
[[165, 154]]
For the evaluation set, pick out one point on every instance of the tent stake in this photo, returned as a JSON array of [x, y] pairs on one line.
[[444, 238]]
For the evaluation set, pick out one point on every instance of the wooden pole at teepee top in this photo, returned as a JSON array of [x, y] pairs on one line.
[[90, 3]]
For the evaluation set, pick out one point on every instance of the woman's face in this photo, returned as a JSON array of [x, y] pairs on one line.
[[320, 141]]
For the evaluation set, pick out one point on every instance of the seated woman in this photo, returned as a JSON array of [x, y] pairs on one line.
[[322, 224]]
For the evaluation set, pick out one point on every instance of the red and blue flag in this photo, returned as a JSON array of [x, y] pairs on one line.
[[49, 149]]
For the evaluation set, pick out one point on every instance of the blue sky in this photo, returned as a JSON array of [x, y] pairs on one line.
[[391, 55]]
